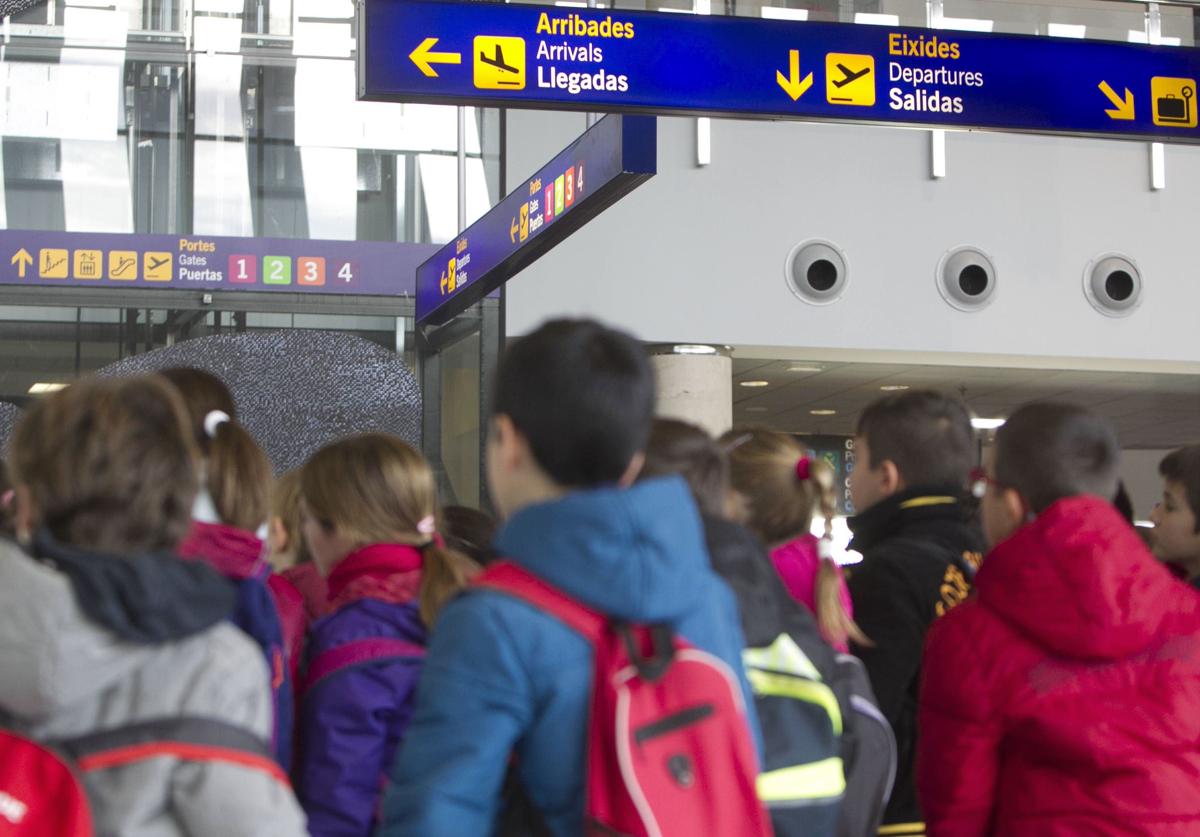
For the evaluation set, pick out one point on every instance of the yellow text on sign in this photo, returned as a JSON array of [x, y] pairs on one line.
[[850, 79], [156, 267], [122, 265], [1174, 101], [499, 63], [53, 263]]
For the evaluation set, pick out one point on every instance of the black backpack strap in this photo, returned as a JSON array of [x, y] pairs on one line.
[[187, 738]]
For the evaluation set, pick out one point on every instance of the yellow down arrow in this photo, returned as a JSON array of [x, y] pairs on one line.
[[424, 58], [1124, 107], [792, 84]]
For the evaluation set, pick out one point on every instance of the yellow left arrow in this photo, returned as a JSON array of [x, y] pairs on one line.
[[424, 58], [792, 84], [22, 260]]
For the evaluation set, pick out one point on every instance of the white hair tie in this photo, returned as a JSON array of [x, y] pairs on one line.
[[214, 419], [427, 525]]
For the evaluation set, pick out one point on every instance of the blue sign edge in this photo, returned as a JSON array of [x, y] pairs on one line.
[[639, 162], [500, 101]]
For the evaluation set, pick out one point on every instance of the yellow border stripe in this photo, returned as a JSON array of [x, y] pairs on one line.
[[820, 780], [904, 828], [919, 502], [783, 685]]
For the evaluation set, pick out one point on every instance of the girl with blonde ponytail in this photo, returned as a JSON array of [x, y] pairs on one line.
[[368, 509], [782, 486]]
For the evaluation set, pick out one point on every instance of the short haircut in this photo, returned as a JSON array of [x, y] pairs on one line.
[[1183, 466], [470, 531], [677, 447], [582, 395], [1048, 451], [109, 464], [925, 434]]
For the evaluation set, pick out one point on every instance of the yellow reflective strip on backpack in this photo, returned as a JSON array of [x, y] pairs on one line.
[[782, 655], [783, 685], [907, 829], [819, 780]]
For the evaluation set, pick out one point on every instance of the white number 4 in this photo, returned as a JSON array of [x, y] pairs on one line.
[[346, 274]]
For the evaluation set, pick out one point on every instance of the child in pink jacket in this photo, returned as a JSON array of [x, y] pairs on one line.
[[782, 486]]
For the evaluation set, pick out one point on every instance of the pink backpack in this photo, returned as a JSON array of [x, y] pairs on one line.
[[669, 751]]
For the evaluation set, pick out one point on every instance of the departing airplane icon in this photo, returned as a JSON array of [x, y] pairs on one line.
[[498, 62], [155, 264], [848, 75]]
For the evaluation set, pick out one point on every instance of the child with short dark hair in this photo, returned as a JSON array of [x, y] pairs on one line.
[[571, 416], [1175, 538], [1064, 698], [914, 453], [106, 636]]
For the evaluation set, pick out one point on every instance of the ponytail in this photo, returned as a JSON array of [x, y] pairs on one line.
[[237, 473], [833, 620], [444, 572]]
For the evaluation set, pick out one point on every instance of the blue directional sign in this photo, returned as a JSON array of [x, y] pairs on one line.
[[612, 158], [492, 54]]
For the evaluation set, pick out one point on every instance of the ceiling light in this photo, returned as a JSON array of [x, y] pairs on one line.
[[804, 368], [894, 387], [823, 412], [43, 388], [754, 383], [987, 423], [693, 349]]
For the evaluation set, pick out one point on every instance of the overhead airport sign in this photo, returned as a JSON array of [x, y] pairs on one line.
[[491, 54], [612, 158], [76, 260]]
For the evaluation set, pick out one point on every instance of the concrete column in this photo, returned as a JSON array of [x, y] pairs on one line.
[[695, 384]]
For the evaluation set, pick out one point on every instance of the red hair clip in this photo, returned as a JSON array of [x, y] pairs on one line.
[[804, 469]]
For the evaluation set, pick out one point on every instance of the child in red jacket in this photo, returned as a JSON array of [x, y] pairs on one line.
[[1064, 698]]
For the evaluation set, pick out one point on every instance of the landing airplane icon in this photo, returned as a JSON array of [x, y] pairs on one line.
[[498, 61], [848, 75]]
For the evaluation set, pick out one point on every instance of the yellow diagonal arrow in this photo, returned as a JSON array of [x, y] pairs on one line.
[[22, 260], [792, 84], [1124, 107], [423, 57]]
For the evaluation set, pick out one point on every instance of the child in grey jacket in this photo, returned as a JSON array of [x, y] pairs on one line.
[[103, 629]]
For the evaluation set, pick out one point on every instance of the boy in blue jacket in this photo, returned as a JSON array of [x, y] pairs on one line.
[[573, 407]]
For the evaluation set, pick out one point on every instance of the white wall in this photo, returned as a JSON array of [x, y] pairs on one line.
[[697, 254]]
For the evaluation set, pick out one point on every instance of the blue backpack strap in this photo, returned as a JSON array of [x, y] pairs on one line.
[[356, 653], [257, 616]]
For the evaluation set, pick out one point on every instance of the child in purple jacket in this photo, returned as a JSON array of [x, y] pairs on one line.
[[368, 517]]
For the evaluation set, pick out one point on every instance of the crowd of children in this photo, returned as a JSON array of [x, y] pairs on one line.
[[647, 639]]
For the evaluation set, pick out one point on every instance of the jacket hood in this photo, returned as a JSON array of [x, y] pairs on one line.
[[1079, 582], [635, 553], [234, 553], [147, 598]]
